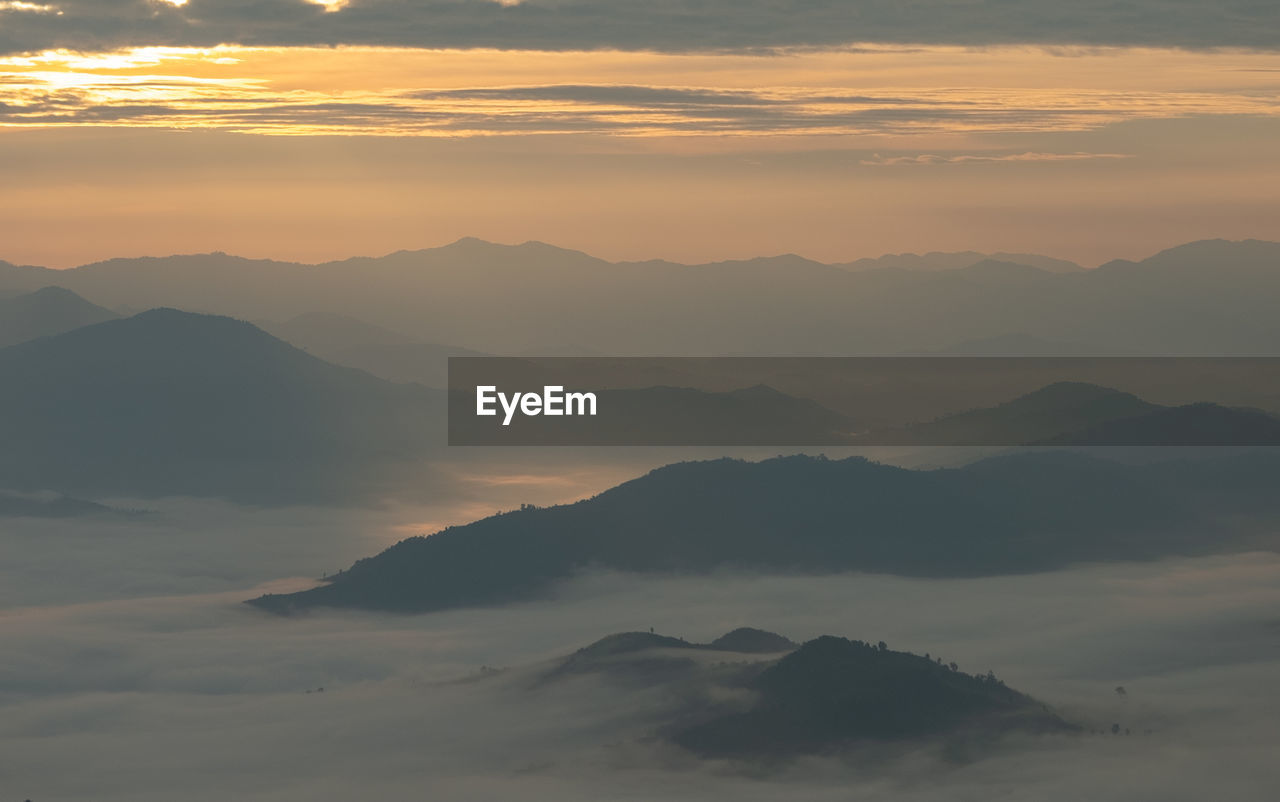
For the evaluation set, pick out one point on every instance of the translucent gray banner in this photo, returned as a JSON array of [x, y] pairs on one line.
[[807, 401]]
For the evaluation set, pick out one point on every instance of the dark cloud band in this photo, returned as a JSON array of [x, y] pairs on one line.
[[663, 25]]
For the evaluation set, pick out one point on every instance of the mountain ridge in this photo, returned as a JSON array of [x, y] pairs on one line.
[[170, 402], [811, 515], [505, 298], [45, 312]]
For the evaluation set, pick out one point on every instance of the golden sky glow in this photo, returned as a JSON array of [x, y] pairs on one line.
[[317, 153], [857, 92]]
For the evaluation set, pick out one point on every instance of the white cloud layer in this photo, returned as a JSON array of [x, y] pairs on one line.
[[114, 695]]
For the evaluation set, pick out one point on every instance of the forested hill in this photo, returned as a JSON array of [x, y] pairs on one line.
[[1027, 512]]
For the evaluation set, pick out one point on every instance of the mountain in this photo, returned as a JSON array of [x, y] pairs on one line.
[[1035, 417], [23, 279], [749, 640], [1027, 512], [1187, 425], [353, 343], [603, 654], [936, 261], [1213, 297], [791, 699], [169, 402], [18, 505], [833, 692], [324, 331], [51, 310]]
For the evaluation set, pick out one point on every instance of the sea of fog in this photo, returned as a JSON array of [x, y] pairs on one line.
[[132, 672]]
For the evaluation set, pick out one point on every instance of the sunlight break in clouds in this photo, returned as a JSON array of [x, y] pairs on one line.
[[33, 8], [449, 94]]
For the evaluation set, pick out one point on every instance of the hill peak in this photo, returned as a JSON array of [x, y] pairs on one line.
[[45, 312], [625, 642], [1073, 391], [749, 640], [1208, 255]]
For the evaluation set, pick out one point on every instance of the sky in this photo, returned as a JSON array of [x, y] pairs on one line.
[[685, 130]]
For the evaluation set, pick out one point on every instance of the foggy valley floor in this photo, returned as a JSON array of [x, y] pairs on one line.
[[134, 672]]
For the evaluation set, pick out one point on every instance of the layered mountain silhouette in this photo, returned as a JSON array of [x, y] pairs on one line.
[[353, 343], [753, 694], [1211, 297], [1047, 413], [1203, 424], [958, 260], [169, 402], [1026, 512], [1082, 414], [833, 692], [621, 652], [749, 640], [47, 311], [17, 505]]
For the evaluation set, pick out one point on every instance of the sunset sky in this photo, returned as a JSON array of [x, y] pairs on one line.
[[678, 129]]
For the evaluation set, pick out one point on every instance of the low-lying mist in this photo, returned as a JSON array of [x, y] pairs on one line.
[[198, 697]]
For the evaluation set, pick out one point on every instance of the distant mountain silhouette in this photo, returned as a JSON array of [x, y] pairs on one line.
[[22, 279], [168, 402], [1035, 417], [790, 699], [324, 331], [752, 641], [744, 640], [937, 261], [1029, 512], [647, 658], [626, 642], [14, 505], [353, 343], [1212, 297], [51, 310], [1188, 425], [833, 692]]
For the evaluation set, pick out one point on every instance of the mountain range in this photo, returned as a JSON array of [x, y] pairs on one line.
[[47, 311], [174, 403], [169, 402], [347, 341], [1082, 414], [1026, 512], [1209, 297]]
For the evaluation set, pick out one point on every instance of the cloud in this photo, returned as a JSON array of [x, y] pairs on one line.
[[32, 8], [667, 25], [133, 672], [986, 158], [33, 95], [195, 697]]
